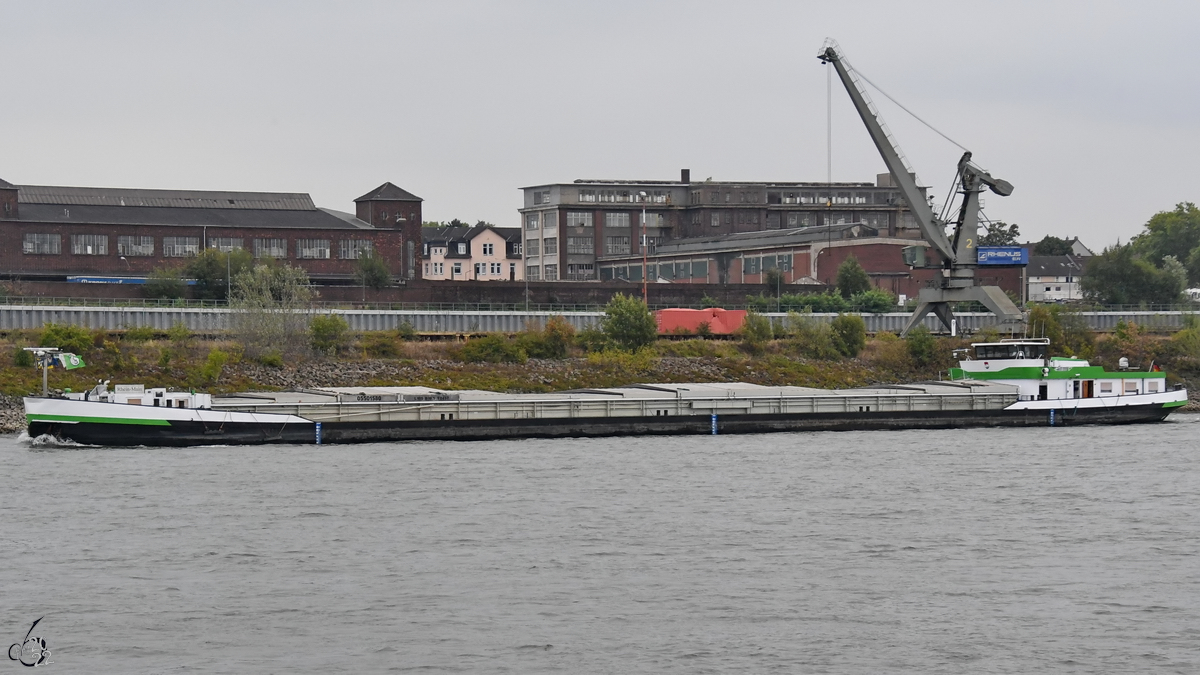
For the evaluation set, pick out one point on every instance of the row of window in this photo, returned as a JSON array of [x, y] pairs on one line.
[[548, 220], [692, 269], [186, 247], [623, 196], [488, 249], [755, 197], [495, 269], [760, 264]]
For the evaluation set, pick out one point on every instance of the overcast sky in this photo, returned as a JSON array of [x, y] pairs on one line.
[[1091, 109]]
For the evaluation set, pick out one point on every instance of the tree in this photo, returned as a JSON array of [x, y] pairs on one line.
[[921, 345], [165, 283], [270, 302], [1052, 245], [849, 334], [1175, 233], [852, 278], [1000, 233], [371, 271], [327, 334], [209, 270], [755, 331], [1119, 276], [628, 323]]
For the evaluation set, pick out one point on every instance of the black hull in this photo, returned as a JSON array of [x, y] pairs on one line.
[[197, 433], [178, 434]]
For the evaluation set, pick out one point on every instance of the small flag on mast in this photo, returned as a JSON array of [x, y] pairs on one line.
[[70, 361]]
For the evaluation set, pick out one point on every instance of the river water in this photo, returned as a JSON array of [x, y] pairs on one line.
[[983, 551]]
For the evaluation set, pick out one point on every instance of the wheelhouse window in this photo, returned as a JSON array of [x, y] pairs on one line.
[[89, 244], [181, 247], [1010, 351], [42, 244]]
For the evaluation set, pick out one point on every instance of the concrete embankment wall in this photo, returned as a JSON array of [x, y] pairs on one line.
[[214, 320]]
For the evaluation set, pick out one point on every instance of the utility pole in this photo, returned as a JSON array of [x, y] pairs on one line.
[[645, 267]]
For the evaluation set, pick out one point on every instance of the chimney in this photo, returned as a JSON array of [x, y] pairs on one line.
[[685, 175]]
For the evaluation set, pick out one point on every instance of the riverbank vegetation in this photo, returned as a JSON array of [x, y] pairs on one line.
[[800, 350]]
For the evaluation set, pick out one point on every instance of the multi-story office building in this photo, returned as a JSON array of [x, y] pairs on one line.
[[571, 229]]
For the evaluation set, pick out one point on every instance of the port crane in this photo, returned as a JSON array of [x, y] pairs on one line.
[[957, 251]]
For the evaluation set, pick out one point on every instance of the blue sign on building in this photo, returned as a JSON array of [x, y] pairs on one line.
[[1002, 255]]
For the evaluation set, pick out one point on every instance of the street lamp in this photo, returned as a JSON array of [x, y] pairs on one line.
[[645, 276], [127, 268]]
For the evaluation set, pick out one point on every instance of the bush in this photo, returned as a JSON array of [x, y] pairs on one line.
[[272, 359], [921, 345], [809, 337], [328, 333], [72, 339], [593, 340], [874, 301], [803, 302], [704, 329], [22, 358], [552, 342], [139, 334], [755, 331], [209, 270], [849, 334], [492, 349], [210, 372], [371, 271], [628, 323], [179, 333], [380, 345], [405, 331]]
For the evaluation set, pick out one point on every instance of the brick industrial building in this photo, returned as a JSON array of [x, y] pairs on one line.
[[571, 229], [53, 233]]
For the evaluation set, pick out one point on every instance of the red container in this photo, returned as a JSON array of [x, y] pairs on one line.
[[720, 321]]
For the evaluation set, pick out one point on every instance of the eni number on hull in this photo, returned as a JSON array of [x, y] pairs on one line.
[[1007, 383]]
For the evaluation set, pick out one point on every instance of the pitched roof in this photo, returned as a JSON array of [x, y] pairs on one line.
[[5, 184], [390, 192], [178, 199], [1055, 266]]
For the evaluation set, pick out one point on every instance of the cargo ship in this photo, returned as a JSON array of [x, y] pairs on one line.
[[1011, 383]]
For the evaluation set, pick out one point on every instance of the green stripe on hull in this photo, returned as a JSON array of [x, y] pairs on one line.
[[1174, 404], [1076, 373], [96, 420]]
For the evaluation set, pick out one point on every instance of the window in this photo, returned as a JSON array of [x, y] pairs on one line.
[[533, 273], [716, 220], [531, 221], [541, 197], [549, 220], [532, 247], [1106, 387], [39, 244], [480, 269], [495, 268], [181, 247], [1151, 386], [714, 197], [439, 269], [579, 219], [551, 272], [580, 246], [89, 244], [616, 220], [270, 248], [135, 246], [462, 248], [458, 269], [306, 249], [652, 244], [489, 249], [225, 244], [516, 248], [353, 249], [616, 245], [551, 249], [587, 195], [581, 272], [694, 197], [1131, 386]]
